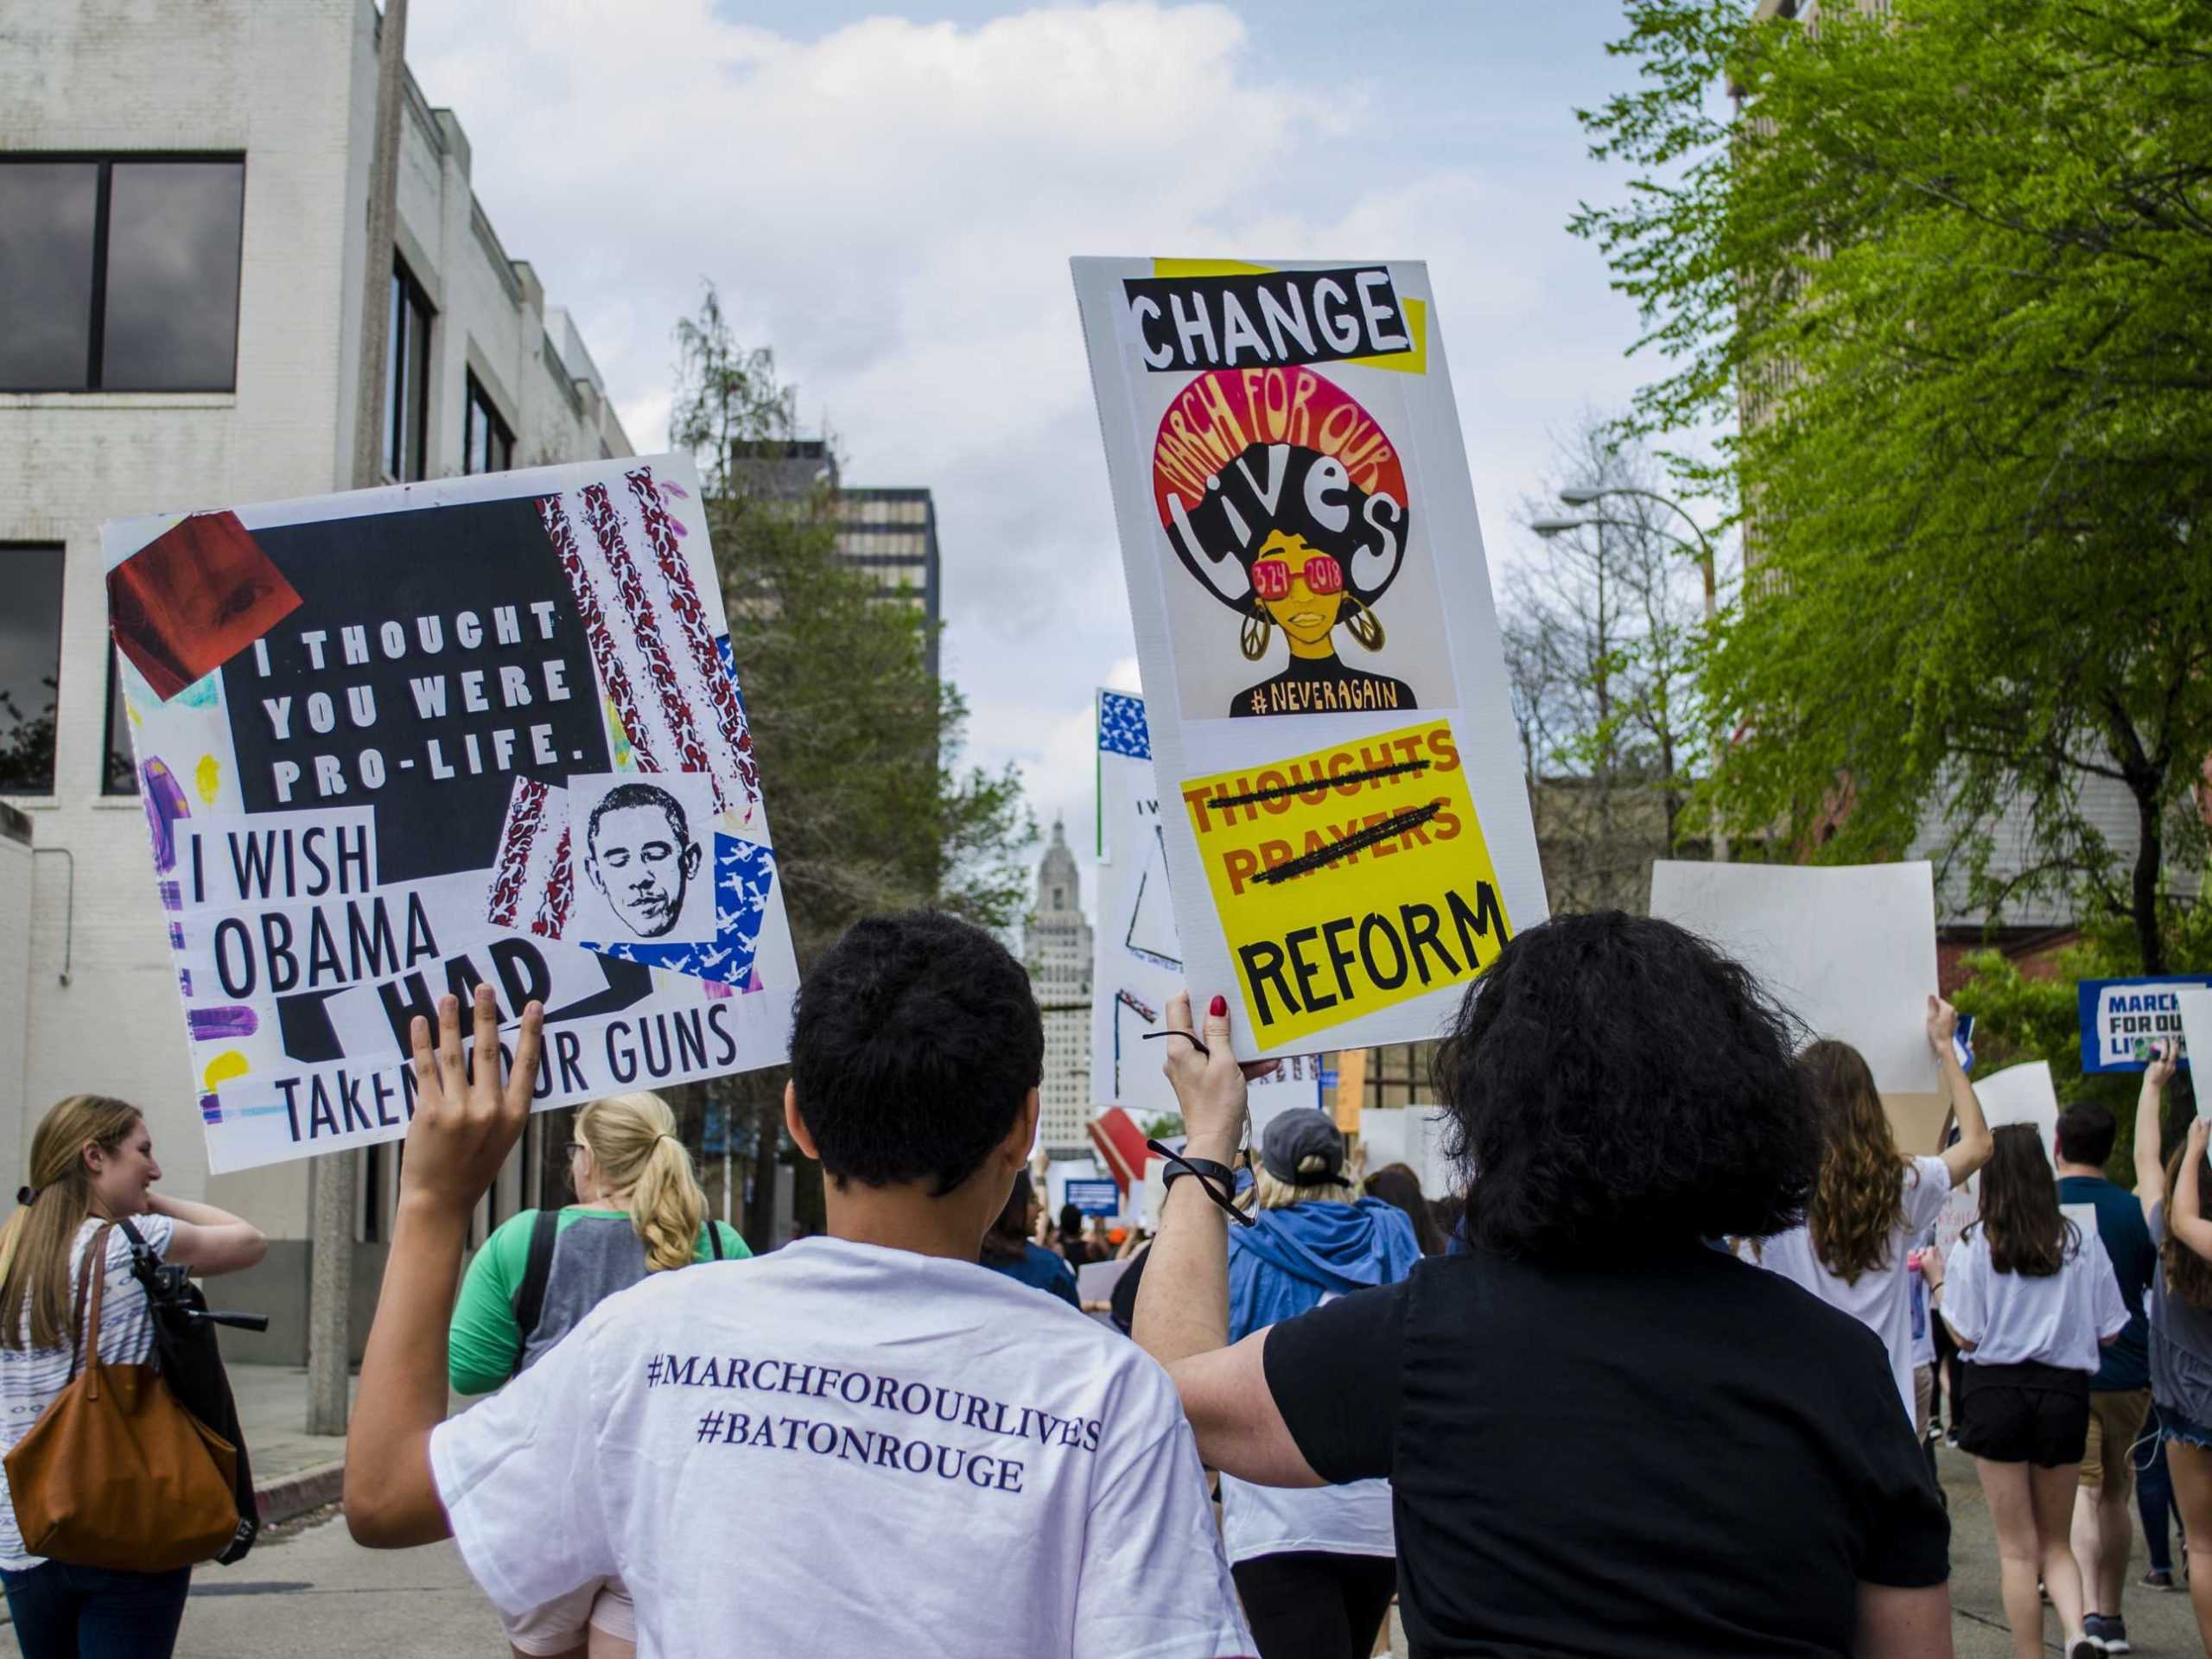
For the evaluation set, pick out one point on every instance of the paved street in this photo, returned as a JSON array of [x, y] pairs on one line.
[[313, 1592]]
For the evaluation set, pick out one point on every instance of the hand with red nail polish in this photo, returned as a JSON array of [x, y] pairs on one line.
[[1208, 1084]]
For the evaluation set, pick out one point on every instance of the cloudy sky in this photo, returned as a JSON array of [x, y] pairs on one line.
[[890, 203]]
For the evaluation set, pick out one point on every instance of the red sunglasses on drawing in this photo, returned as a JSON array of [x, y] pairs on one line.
[[1271, 577]]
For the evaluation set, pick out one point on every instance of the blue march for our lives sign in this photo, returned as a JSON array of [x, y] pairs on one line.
[[2121, 1018], [1101, 1197]]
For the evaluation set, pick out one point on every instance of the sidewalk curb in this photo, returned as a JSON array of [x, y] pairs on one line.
[[287, 1495]]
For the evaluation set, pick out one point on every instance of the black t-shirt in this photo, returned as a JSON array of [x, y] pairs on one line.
[[1679, 1456]]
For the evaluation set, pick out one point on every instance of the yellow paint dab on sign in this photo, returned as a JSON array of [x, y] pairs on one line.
[[1348, 878]]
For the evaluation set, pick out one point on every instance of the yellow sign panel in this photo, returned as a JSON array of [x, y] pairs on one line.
[[1349, 878]]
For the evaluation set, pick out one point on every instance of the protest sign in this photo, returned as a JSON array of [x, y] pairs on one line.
[[1095, 1198], [2122, 1018], [2023, 1094], [1848, 949], [359, 781], [1136, 959], [1347, 837], [2196, 1009]]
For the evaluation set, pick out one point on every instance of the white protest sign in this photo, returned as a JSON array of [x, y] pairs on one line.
[[2023, 1094], [1347, 833], [1849, 949], [1136, 960], [2196, 1005], [358, 722]]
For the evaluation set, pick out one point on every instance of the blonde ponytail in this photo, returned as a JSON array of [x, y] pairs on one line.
[[633, 1146], [38, 1239]]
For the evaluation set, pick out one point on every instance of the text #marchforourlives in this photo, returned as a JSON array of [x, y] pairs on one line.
[[904, 1442]]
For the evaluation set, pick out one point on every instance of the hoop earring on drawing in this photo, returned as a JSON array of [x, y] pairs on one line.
[[1365, 626], [1253, 637]]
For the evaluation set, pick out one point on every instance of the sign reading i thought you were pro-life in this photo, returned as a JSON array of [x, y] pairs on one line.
[[1351, 841], [396, 744]]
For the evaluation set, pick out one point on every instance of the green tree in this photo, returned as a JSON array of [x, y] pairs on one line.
[[1953, 265], [859, 746]]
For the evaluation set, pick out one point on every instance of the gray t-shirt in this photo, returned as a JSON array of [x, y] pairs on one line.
[[2181, 1343]]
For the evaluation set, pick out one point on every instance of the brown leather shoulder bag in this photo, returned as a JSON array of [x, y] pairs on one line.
[[115, 1473]]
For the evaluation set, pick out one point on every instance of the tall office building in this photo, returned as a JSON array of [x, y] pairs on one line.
[[1057, 944], [889, 535]]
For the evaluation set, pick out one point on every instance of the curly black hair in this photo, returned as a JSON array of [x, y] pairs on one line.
[[915, 1043], [1614, 1083]]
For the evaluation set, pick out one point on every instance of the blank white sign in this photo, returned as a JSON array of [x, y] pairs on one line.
[[1850, 949]]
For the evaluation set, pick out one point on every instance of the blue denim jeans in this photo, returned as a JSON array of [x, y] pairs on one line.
[[96, 1612]]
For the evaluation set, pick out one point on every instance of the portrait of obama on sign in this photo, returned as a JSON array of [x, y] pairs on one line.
[[639, 846]]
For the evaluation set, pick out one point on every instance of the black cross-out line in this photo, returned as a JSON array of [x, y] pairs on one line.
[[1223, 803], [1412, 819]]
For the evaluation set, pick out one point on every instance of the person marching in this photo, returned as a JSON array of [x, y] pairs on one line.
[[2120, 1393], [1543, 1403], [952, 1464], [2032, 1300], [1007, 1248], [638, 1211], [92, 1164], [1316, 1570], [1871, 1201], [2181, 1320]]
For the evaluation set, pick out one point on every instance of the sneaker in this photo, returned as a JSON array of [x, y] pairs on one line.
[[2085, 1647], [2112, 1630], [2155, 1579]]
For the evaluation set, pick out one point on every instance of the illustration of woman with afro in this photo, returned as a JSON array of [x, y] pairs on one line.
[[1304, 533]]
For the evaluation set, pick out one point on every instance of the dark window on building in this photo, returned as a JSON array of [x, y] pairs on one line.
[[30, 666], [120, 275], [491, 447], [1398, 1075], [407, 378], [119, 769]]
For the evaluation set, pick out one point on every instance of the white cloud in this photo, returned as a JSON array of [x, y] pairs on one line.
[[892, 207]]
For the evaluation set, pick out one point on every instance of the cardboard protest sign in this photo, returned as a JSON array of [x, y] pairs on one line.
[[1327, 701], [2023, 1094], [1136, 955], [1849, 949], [2121, 1019], [360, 793]]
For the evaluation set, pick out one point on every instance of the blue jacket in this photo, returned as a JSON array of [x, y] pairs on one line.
[[1288, 1260]]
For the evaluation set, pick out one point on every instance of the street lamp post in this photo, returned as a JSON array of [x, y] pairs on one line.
[[1577, 495]]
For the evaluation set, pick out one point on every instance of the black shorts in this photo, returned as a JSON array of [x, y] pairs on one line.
[[2024, 1414]]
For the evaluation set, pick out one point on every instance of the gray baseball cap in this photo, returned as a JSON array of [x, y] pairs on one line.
[[1298, 1134]]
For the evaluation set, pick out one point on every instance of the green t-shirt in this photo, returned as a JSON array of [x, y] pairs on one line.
[[484, 1341]]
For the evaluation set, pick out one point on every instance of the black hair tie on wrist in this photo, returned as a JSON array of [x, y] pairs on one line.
[[1205, 1178]]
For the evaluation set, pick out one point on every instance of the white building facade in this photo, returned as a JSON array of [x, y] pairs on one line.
[[1057, 944], [184, 193]]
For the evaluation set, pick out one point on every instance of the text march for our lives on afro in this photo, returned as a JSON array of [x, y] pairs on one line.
[[396, 744], [1344, 818]]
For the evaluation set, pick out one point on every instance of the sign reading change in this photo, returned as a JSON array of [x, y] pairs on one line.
[[1323, 680]]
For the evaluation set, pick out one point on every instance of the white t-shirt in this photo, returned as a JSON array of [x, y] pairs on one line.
[[31, 1378], [1350, 1520], [1353, 1519], [840, 1448], [2059, 1319], [1881, 1299]]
